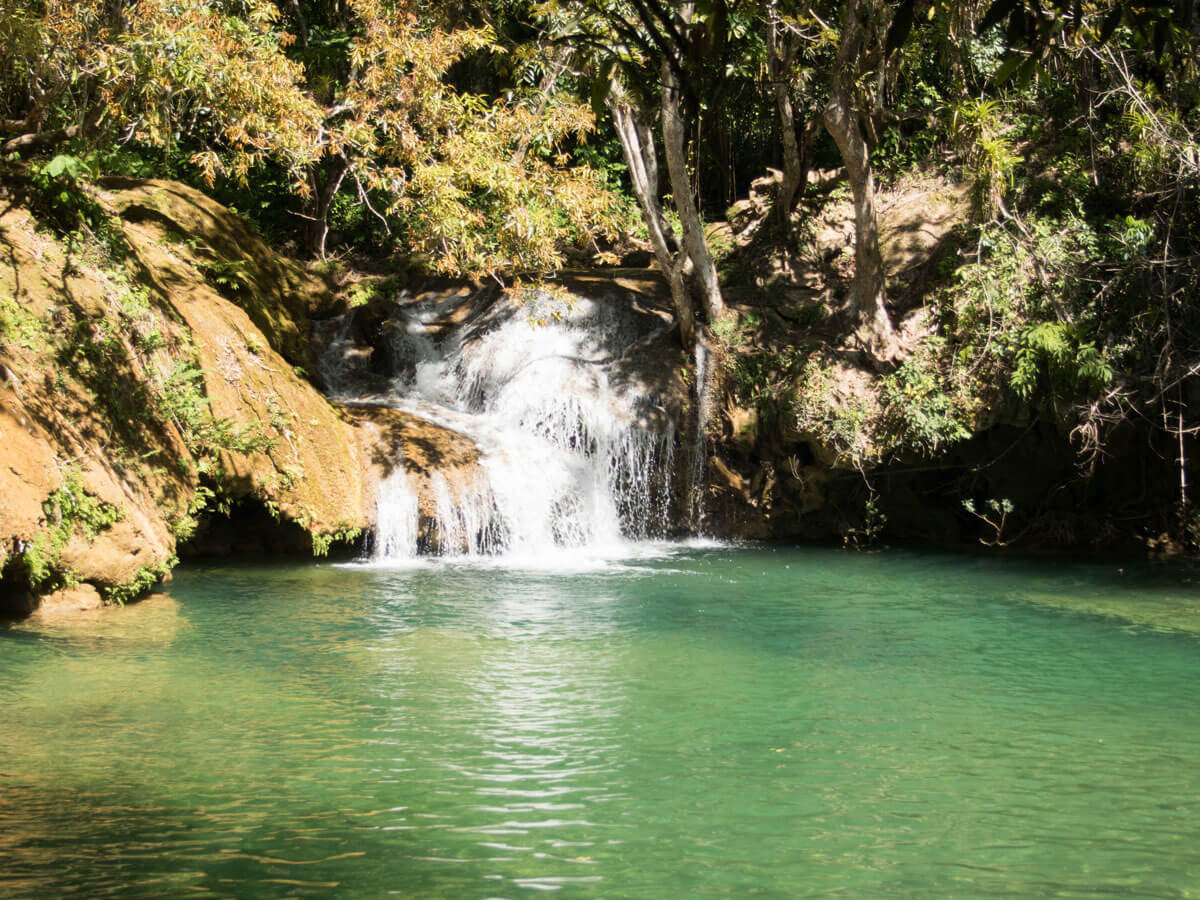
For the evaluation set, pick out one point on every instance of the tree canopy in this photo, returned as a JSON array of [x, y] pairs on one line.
[[350, 103], [490, 137]]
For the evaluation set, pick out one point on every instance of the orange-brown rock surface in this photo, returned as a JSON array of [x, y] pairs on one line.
[[153, 371]]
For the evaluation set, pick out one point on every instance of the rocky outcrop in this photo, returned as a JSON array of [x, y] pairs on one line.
[[306, 465], [157, 393], [84, 466], [279, 295], [392, 438], [608, 364], [154, 373], [816, 440]]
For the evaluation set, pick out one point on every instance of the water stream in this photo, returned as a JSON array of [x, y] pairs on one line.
[[577, 449], [699, 440]]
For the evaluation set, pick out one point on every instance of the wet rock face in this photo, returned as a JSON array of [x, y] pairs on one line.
[[200, 399], [360, 340], [280, 295], [138, 389], [372, 326], [369, 348], [433, 460], [621, 333], [303, 462], [78, 503], [80, 598]]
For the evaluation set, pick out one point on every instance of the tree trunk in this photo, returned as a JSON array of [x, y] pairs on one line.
[[637, 144], [690, 269], [704, 272], [39, 140], [868, 292], [323, 194], [779, 63]]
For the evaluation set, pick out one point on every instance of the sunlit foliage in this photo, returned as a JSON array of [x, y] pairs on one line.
[[217, 84]]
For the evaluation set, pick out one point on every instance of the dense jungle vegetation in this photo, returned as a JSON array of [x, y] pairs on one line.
[[506, 139]]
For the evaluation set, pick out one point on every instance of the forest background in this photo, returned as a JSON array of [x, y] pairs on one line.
[[504, 141]]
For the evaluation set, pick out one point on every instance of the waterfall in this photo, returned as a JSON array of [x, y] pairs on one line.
[[576, 449], [396, 518], [698, 455]]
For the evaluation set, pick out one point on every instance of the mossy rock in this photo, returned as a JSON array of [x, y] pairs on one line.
[[280, 295]]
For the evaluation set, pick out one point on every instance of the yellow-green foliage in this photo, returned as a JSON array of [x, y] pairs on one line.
[[179, 398], [841, 419], [323, 541], [146, 578], [167, 60], [924, 406], [989, 153], [928, 404], [446, 159], [754, 373], [475, 185], [69, 510], [19, 326], [1013, 318]]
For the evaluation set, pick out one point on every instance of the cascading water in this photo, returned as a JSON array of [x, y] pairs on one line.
[[397, 518], [576, 447], [699, 443]]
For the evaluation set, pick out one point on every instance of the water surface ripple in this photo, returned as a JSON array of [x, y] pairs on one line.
[[688, 723]]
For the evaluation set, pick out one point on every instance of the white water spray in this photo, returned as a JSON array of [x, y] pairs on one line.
[[576, 451], [698, 455], [397, 519]]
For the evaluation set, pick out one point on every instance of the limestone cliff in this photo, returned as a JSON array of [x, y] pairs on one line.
[[154, 369]]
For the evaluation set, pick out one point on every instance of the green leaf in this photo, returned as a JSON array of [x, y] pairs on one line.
[[1160, 38], [1029, 70], [601, 87], [1008, 68], [63, 164]]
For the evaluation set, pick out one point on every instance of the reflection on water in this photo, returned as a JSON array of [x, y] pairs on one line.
[[157, 619], [690, 722]]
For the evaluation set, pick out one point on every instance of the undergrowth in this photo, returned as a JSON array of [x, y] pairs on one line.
[[69, 510]]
